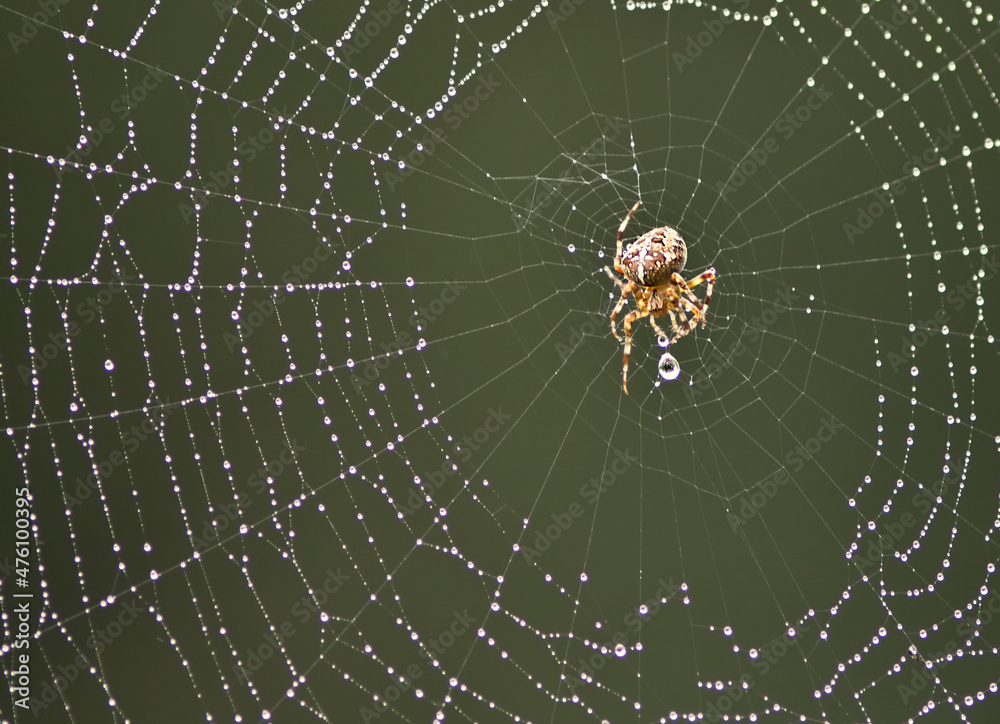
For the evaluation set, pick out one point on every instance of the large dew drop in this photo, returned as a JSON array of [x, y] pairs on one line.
[[669, 367]]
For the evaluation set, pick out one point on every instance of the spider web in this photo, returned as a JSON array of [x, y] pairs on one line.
[[310, 391]]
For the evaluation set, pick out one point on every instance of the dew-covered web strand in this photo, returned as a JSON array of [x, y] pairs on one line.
[[715, 122], [876, 116], [904, 465], [828, 411], [376, 300]]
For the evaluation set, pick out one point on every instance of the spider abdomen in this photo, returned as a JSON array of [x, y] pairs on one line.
[[654, 257]]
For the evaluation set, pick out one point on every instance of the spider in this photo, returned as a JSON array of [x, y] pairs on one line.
[[651, 266]]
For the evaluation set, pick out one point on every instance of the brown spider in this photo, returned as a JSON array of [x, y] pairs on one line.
[[651, 266]]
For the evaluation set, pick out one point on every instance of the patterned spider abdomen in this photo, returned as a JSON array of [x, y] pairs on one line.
[[654, 257]]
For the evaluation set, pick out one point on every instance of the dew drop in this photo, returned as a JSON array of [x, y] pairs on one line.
[[410, 282], [669, 367], [109, 365], [620, 651], [914, 371]]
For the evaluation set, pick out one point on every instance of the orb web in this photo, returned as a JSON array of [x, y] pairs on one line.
[[310, 391]]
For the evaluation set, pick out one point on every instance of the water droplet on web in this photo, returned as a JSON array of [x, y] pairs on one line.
[[643, 609], [583, 577], [663, 341], [571, 248], [620, 651], [669, 367], [914, 370], [410, 282], [109, 365]]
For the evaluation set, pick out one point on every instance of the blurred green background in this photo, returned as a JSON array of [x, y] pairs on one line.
[[306, 361]]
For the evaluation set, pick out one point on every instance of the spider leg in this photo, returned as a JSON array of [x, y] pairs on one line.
[[707, 276], [687, 325], [673, 321], [629, 318], [621, 230], [626, 290], [692, 305], [659, 332], [615, 279]]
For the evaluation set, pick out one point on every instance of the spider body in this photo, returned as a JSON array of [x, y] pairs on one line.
[[651, 267], [653, 258]]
